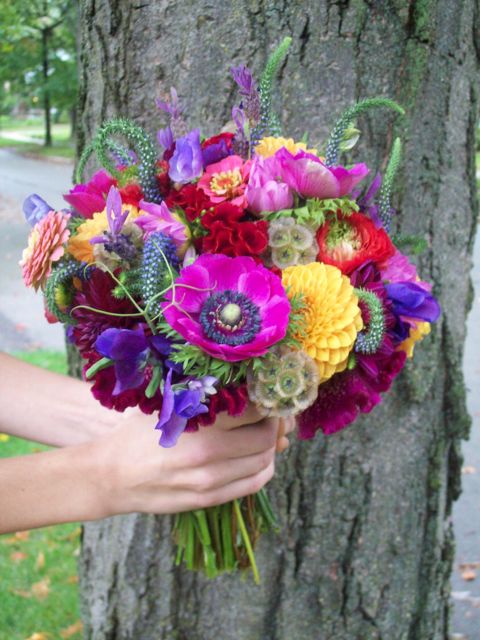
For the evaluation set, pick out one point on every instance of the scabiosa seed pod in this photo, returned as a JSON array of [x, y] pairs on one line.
[[285, 383], [291, 243]]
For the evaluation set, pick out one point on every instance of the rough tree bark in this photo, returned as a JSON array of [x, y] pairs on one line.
[[367, 545]]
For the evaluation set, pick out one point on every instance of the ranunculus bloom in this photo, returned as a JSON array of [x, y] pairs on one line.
[[45, 246], [186, 163], [264, 191], [306, 174], [347, 242], [90, 197], [226, 180], [232, 308]]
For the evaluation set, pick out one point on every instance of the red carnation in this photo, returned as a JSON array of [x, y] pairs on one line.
[[347, 242], [228, 235], [232, 399], [190, 199], [131, 194]]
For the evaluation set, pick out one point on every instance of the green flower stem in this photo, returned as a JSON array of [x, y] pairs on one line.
[[246, 540], [103, 363]]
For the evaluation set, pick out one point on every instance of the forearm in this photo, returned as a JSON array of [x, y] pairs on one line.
[[47, 407], [46, 488]]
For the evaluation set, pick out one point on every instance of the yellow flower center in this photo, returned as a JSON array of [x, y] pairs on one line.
[[226, 183]]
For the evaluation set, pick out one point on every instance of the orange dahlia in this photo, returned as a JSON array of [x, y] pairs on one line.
[[332, 315], [79, 245], [45, 246]]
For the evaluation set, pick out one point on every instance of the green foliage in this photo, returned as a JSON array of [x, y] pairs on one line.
[[25, 29], [269, 122], [385, 196], [313, 212], [412, 244], [142, 144], [197, 363], [338, 133]]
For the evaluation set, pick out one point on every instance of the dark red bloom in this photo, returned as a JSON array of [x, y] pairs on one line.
[[96, 293], [191, 200], [226, 138], [232, 399], [229, 235], [131, 194], [346, 242], [104, 384]]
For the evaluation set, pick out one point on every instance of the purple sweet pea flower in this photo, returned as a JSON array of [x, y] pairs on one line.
[[412, 301], [215, 152], [129, 351], [35, 208], [186, 164], [177, 408]]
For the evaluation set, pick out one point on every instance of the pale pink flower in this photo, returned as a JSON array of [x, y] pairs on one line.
[[45, 246]]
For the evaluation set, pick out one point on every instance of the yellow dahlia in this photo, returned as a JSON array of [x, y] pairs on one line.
[[416, 334], [332, 315], [79, 245], [268, 146]]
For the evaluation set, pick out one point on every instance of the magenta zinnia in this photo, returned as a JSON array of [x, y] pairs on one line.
[[232, 308]]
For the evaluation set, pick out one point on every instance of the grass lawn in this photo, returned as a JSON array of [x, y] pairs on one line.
[[63, 146], [38, 579]]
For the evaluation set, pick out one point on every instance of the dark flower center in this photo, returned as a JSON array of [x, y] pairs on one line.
[[229, 317]]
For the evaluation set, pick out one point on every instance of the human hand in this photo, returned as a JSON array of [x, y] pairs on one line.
[[230, 459]]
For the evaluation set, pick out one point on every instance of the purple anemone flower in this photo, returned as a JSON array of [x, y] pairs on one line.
[[186, 164], [35, 208], [232, 308], [177, 409]]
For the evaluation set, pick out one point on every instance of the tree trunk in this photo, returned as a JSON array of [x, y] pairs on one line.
[[366, 545], [46, 92]]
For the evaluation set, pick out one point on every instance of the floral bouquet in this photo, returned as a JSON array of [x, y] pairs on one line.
[[210, 272]]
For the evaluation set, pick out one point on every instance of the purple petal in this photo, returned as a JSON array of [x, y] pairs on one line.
[[35, 208]]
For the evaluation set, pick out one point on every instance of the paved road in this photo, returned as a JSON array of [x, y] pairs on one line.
[[21, 310], [22, 326]]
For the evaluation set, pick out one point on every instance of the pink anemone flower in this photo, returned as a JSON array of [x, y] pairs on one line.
[[232, 308]]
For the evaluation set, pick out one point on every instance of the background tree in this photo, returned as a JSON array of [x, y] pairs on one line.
[[38, 55], [366, 548]]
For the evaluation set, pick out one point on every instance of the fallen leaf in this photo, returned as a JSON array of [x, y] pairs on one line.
[[76, 627], [40, 563], [41, 589], [72, 580], [39, 636], [475, 564], [22, 535], [469, 574], [17, 556], [469, 470], [4, 437]]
